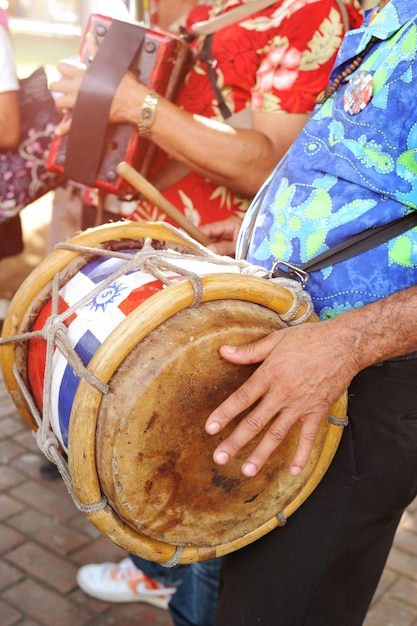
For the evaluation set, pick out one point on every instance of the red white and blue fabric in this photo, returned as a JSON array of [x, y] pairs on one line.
[[90, 325]]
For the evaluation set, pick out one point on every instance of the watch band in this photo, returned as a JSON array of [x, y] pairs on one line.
[[147, 113]]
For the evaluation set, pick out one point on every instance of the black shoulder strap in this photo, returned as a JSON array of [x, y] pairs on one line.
[[369, 238]]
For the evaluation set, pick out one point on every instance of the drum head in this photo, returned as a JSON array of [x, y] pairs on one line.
[[153, 455]]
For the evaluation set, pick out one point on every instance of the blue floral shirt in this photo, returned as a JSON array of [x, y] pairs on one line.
[[348, 172]]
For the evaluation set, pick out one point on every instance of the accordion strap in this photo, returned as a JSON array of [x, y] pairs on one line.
[[92, 108]]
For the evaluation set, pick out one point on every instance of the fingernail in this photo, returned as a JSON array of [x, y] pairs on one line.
[[221, 457], [249, 469], [295, 470], [213, 428], [229, 349]]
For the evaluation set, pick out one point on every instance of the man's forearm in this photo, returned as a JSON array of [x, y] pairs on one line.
[[383, 329]]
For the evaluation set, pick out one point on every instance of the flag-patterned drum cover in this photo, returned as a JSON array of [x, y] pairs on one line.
[[91, 324], [137, 314]]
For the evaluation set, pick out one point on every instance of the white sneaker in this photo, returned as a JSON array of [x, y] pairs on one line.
[[123, 582]]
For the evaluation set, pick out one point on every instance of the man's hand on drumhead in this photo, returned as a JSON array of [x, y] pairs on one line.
[[303, 371]]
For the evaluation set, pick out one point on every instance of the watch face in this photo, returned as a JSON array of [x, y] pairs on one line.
[[147, 114]]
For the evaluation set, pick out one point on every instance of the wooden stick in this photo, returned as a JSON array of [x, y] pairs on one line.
[[149, 191]]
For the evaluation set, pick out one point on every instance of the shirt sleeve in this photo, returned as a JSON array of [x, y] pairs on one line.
[[295, 64]]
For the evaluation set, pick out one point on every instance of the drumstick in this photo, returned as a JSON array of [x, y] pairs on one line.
[[147, 189]]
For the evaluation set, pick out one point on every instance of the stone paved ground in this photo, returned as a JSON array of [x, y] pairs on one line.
[[44, 538], [43, 541]]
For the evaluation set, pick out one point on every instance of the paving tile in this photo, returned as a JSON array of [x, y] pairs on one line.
[[26, 438], [9, 506], [7, 408], [44, 565], [28, 463], [99, 551], [9, 538], [88, 602], [83, 525], [9, 426], [9, 575], [46, 607], [134, 615], [9, 477], [61, 540], [45, 497], [9, 450], [49, 531], [390, 612], [406, 541], [31, 522], [8, 614], [402, 563], [405, 590]]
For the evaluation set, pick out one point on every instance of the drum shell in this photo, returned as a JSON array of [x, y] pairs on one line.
[[204, 509]]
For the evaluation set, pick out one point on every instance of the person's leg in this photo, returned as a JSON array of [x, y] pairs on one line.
[[172, 576], [195, 602], [123, 582], [11, 237], [323, 567]]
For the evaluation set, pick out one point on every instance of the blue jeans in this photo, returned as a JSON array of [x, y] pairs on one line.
[[195, 601]]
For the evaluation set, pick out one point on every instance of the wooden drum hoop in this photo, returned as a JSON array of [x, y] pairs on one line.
[[83, 438]]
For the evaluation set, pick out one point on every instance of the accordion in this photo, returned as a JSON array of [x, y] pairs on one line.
[[92, 150]]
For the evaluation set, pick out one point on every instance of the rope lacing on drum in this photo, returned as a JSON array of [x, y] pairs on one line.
[[48, 444], [154, 262], [337, 421], [282, 518], [175, 559], [54, 333], [301, 298]]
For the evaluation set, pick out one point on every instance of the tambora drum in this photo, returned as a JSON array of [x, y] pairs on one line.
[[110, 351]]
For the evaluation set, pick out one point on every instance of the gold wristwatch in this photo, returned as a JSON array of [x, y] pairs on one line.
[[147, 113]]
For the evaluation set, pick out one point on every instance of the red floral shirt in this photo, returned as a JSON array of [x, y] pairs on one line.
[[274, 61]]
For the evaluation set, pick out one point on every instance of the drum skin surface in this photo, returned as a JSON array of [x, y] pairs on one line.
[[139, 460], [153, 455]]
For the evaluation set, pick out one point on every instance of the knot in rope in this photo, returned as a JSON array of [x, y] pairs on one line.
[[52, 326], [47, 443], [155, 262], [301, 299]]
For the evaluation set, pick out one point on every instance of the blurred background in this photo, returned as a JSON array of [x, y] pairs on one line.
[[44, 32]]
